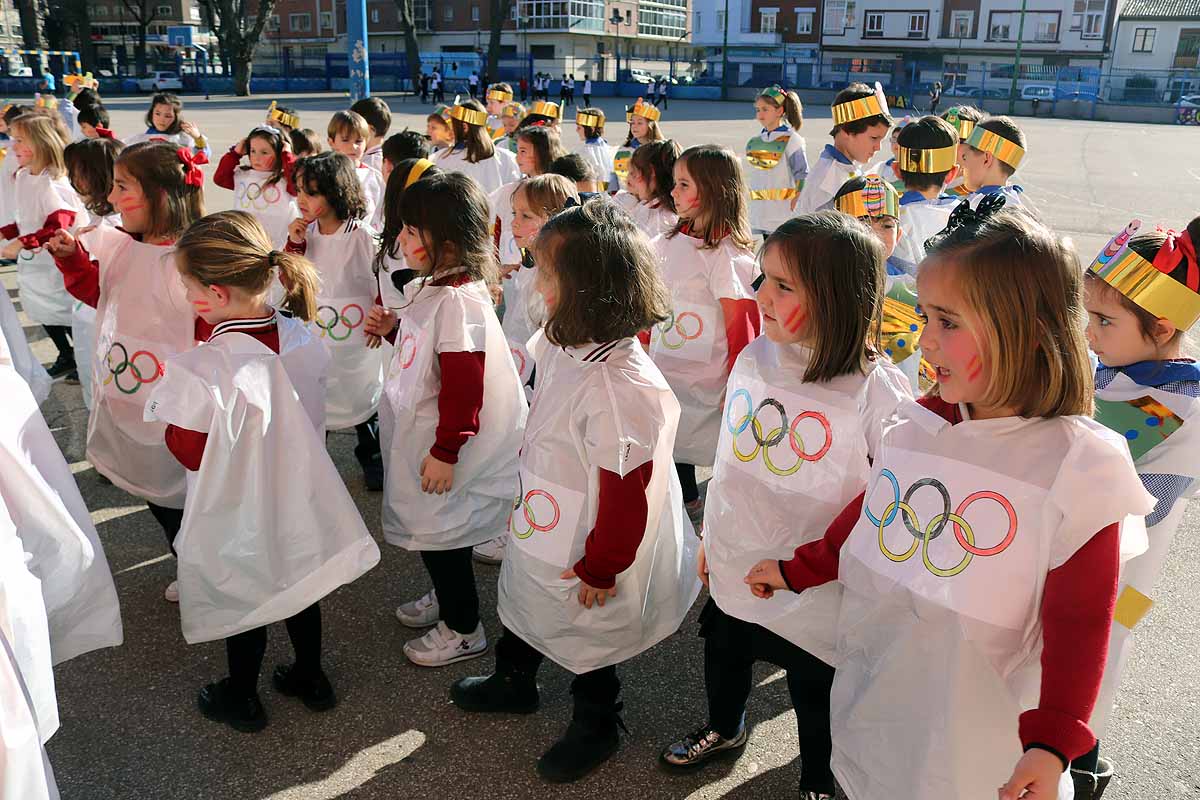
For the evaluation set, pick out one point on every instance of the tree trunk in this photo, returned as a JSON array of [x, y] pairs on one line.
[[140, 55], [412, 49], [31, 29], [243, 65], [501, 10]]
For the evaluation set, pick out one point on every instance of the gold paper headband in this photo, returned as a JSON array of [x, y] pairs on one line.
[[859, 108], [282, 117], [418, 169], [1010, 153], [469, 116], [645, 111], [546, 109], [499, 95], [877, 199], [589, 120], [927, 162], [1143, 283], [963, 125]]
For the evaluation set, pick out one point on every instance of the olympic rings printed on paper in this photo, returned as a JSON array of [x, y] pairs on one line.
[[332, 319], [526, 507], [675, 323], [776, 435], [256, 196], [26, 255], [406, 351], [518, 359], [153, 371], [921, 538]]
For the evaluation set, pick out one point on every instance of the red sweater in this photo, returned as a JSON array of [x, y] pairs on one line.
[[620, 525], [1077, 612], [58, 220], [227, 168]]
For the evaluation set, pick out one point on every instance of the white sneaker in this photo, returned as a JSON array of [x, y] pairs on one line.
[[420, 613], [491, 552], [442, 646], [171, 593]]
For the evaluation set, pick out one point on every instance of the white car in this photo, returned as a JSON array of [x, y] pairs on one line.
[[640, 76], [159, 81], [1190, 101]]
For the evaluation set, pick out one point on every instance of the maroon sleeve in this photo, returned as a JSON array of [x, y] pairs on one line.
[[81, 275], [10, 231], [289, 168], [459, 402], [223, 176], [58, 220], [816, 563], [299, 249], [620, 525], [742, 325], [1077, 612], [203, 330], [187, 446]]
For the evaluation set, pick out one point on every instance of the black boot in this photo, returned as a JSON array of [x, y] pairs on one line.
[[505, 691], [1091, 785], [590, 740], [313, 689], [368, 455], [219, 703]]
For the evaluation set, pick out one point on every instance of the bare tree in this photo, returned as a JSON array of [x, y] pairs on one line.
[[31, 23], [144, 13], [412, 50], [239, 34], [501, 10]]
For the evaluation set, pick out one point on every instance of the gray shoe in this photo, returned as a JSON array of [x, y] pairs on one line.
[[420, 613], [700, 747]]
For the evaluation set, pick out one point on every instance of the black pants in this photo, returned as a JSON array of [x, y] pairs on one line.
[[599, 687], [731, 646], [367, 449], [170, 519], [587, 100], [687, 480], [453, 576], [1089, 761], [61, 336], [245, 650]]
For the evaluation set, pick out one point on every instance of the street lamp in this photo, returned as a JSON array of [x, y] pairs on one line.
[[616, 20]]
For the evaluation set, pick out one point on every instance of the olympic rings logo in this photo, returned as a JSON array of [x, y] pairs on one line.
[[675, 324], [26, 255], [962, 529], [776, 435], [518, 359], [406, 352], [257, 196], [147, 373], [525, 504], [333, 320]]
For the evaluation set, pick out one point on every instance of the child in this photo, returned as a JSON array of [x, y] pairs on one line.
[[399, 147], [239, 406], [510, 118], [1141, 298], [94, 123], [576, 169], [348, 134], [331, 232], [42, 203], [473, 152], [379, 120], [963, 119], [306, 142], [589, 127], [709, 266], [9, 166], [1015, 498], [990, 157], [651, 182], [454, 413], [643, 120], [778, 165], [820, 367], [264, 186], [587, 90], [499, 95], [926, 160], [165, 123], [390, 268], [860, 122], [536, 148], [159, 190], [282, 118], [597, 515]]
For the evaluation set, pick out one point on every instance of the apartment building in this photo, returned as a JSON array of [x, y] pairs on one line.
[[115, 29]]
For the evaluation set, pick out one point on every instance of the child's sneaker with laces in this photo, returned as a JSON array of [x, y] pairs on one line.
[[420, 613], [442, 646], [490, 552]]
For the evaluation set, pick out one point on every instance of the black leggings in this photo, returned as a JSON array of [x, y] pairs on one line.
[[170, 519], [731, 646], [61, 336], [453, 576], [599, 687], [687, 480], [367, 432], [245, 650]]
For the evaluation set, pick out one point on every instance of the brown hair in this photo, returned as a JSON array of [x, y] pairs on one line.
[[158, 170], [722, 196], [166, 99], [607, 273], [305, 142], [1023, 285], [45, 139], [1005, 128], [857, 91], [547, 194], [230, 248], [90, 169], [346, 123], [475, 137], [332, 175], [793, 109], [376, 112], [454, 218], [926, 133], [275, 140], [545, 142], [657, 159], [654, 134]]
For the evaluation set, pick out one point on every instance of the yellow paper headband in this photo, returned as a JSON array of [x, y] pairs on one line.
[[418, 169], [513, 111], [874, 105], [499, 95], [589, 120], [546, 109], [963, 125], [877, 198], [644, 110], [282, 117], [1010, 153], [1143, 283], [469, 116], [927, 162]]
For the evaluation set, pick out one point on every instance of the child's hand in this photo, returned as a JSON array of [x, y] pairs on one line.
[[702, 566], [497, 293], [373, 341], [12, 249], [298, 231], [507, 270], [764, 578], [589, 594], [286, 142], [380, 321], [241, 148], [189, 127], [61, 244], [437, 477], [1035, 777], [795, 200]]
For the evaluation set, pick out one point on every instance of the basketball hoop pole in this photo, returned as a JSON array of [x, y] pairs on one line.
[[357, 60]]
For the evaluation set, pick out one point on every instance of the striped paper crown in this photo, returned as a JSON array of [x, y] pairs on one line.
[[961, 124], [589, 119], [1149, 284], [877, 198], [282, 117], [874, 105]]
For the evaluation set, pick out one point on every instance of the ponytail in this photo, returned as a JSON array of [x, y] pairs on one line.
[[793, 110], [300, 282]]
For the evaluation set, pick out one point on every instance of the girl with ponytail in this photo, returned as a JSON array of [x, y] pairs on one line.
[[777, 164]]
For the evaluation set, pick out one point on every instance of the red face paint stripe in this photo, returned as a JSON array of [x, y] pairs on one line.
[[792, 323], [974, 367]]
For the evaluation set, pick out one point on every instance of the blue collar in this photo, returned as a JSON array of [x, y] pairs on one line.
[[835, 154], [911, 196], [780, 129], [634, 144], [1159, 373], [596, 140], [459, 146], [993, 189], [895, 266]]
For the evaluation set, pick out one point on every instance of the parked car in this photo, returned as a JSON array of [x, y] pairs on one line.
[[1189, 101], [989, 92], [158, 81], [1037, 91], [639, 76], [1080, 97]]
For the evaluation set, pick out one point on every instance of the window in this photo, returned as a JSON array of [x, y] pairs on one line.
[[1077, 22], [628, 17], [804, 21], [916, 25], [326, 19], [1047, 31], [696, 18], [302, 23], [375, 15], [999, 32], [448, 14], [100, 11], [664, 18], [767, 20], [720, 21], [874, 25], [836, 16], [474, 13], [1093, 20], [1143, 40], [542, 51], [164, 11], [960, 23]]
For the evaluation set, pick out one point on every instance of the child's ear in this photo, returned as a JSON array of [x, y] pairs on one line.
[[330, 141], [220, 294], [951, 175], [1164, 331]]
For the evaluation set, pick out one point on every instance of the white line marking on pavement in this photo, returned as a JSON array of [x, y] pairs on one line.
[[357, 771]]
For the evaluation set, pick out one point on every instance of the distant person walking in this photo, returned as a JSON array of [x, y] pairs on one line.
[[935, 97]]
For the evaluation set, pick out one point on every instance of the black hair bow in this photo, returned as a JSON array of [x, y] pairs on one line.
[[403, 277], [965, 221]]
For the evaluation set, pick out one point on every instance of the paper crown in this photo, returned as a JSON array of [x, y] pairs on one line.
[[644, 110], [877, 198], [418, 169], [1007, 151], [874, 105], [546, 109], [513, 111], [469, 116], [442, 110], [81, 81], [961, 124], [775, 93], [927, 162], [282, 117], [590, 119], [499, 95], [1148, 284]]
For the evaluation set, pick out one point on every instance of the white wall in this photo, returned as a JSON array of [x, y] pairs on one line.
[[1166, 40]]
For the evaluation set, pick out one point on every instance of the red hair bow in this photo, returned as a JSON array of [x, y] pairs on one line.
[[104, 133], [1175, 249], [192, 161]]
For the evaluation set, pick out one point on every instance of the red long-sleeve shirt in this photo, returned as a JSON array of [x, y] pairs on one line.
[[227, 169], [743, 323], [620, 525], [56, 221], [1077, 611]]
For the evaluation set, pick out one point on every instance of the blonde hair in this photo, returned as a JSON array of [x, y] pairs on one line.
[[546, 195], [46, 140], [231, 248], [1023, 284], [723, 210]]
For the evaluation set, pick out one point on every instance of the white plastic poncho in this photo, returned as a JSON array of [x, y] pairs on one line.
[[15, 352], [792, 455], [939, 635], [260, 541], [595, 407], [653, 218], [372, 184], [8, 184], [43, 295], [691, 347], [502, 218], [26, 773], [142, 319], [83, 320], [348, 288], [1162, 430], [776, 166], [919, 220], [490, 173], [269, 202], [826, 177], [448, 319], [599, 156]]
